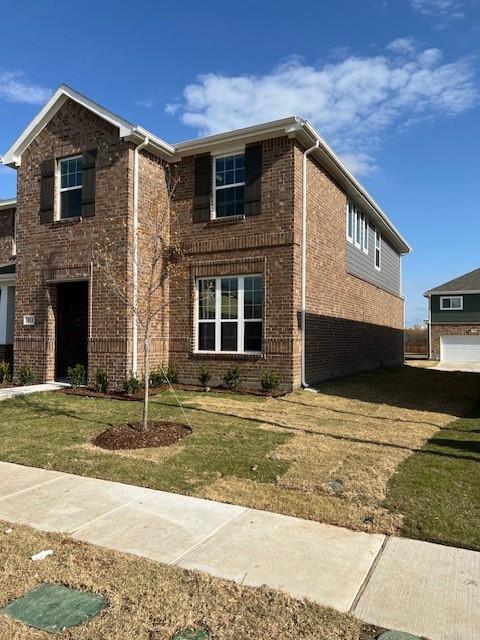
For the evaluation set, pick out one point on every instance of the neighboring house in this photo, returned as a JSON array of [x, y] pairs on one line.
[[454, 319], [291, 266]]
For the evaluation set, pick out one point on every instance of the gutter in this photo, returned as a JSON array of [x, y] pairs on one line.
[[135, 255], [304, 254]]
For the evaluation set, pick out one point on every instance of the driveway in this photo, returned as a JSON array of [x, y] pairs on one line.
[[465, 367]]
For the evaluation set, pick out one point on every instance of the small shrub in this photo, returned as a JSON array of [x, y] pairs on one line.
[[172, 374], [204, 375], [232, 378], [101, 380], [26, 375], [157, 377], [76, 375], [270, 380], [5, 372], [132, 384]]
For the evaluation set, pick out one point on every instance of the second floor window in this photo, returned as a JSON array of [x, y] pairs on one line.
[[70, 170], [378, 250], [229, 183], [451, 303]]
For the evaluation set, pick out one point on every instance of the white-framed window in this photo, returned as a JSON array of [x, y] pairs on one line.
[[358, 229], [229, 185], [451, 303], [378, 250], [229, 314], [350, 221], [364, 234], [70, 187]]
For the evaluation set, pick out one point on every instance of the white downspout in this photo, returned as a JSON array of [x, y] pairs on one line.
[[304, 255], [135, 255]]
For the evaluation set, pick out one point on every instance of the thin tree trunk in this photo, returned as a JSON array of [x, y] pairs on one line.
[[146, 375]]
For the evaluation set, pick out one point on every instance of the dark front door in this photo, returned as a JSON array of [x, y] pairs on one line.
[[71, 327]]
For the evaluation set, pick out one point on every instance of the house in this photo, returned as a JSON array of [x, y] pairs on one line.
[[454, 319], [299, 266]]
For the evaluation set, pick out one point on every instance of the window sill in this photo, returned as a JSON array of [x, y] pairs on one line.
[[228, 219], [210, 355], [61, 221]]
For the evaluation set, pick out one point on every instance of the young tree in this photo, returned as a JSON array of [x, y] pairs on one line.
[[157, 256]]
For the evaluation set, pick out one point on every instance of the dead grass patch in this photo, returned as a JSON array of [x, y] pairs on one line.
[[311, 506], [150, 600]]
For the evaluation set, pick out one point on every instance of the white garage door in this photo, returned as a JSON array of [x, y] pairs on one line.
[[460, 348]]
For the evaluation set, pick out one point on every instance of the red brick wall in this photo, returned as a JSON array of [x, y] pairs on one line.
[[6, 235], [154, 226], [352, 325], [260, 244], [64, 250], [438, 330]]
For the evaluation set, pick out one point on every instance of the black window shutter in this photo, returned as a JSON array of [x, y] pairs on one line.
[[203, 189], [253, 180], [47, 190], [89, 161]]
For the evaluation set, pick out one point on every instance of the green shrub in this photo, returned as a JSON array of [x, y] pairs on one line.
[[26, 375], [101, 380], [132, 384], [76, 375], [270, 380], [5, 372], [204, 375], [164, 375], [171, 372], [157, 377], [232, 378]]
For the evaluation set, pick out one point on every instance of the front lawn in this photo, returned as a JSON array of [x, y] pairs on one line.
[[438, 489], [150, 601], [348, 455]]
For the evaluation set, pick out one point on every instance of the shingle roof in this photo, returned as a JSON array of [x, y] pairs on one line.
[[468, 282]]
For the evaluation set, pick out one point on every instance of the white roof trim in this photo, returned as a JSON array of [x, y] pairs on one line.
[[429, 294], [8, 204], [13, 156]]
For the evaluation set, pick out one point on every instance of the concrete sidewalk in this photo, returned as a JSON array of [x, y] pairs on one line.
[[425, 589], [11, 392]]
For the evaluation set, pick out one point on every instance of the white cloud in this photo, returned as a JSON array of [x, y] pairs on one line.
[[439, 8], [147, 103], [352, 102], [14, 87]]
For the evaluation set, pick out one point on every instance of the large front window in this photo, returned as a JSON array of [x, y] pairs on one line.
[[230, 314], [229, 185], [70, 170]]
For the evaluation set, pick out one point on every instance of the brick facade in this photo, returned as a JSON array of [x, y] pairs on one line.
[[66, 250], [261, 244], [352, 325], [438, 330], [7, 243]]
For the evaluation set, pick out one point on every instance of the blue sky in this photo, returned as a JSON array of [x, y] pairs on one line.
[[393, 85]]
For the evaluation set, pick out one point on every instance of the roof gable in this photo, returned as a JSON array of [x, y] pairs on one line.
[[13, 157], [468, 282]]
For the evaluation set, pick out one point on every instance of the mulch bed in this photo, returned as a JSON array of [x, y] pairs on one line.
[[131, 435], [90, 392]]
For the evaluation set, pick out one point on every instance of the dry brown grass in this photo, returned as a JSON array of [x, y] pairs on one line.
[[349, 440], [151, 601]]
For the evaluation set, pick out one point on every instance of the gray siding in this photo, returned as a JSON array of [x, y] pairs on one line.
[[469, 315], [363, 265]]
